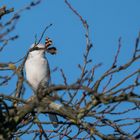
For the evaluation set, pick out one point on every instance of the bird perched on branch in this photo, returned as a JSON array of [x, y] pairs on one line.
[[37, 68]]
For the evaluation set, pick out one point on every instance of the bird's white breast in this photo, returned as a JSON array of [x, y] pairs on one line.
[[37, 70]]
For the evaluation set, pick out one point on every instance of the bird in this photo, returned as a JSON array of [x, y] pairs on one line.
[[37, 68]]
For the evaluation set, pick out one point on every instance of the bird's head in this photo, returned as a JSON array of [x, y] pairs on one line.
[[42, 48]]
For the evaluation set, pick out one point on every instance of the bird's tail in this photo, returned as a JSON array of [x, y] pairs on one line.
[[53, 118]]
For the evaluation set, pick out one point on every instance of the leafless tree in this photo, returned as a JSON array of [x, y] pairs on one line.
[[92, 105]]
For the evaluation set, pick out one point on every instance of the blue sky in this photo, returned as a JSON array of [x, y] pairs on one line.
[[108, 20]]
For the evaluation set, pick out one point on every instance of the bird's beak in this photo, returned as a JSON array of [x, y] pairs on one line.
[[51, 50]]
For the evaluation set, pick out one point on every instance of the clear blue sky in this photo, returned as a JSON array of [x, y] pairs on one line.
[[108, 20]]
